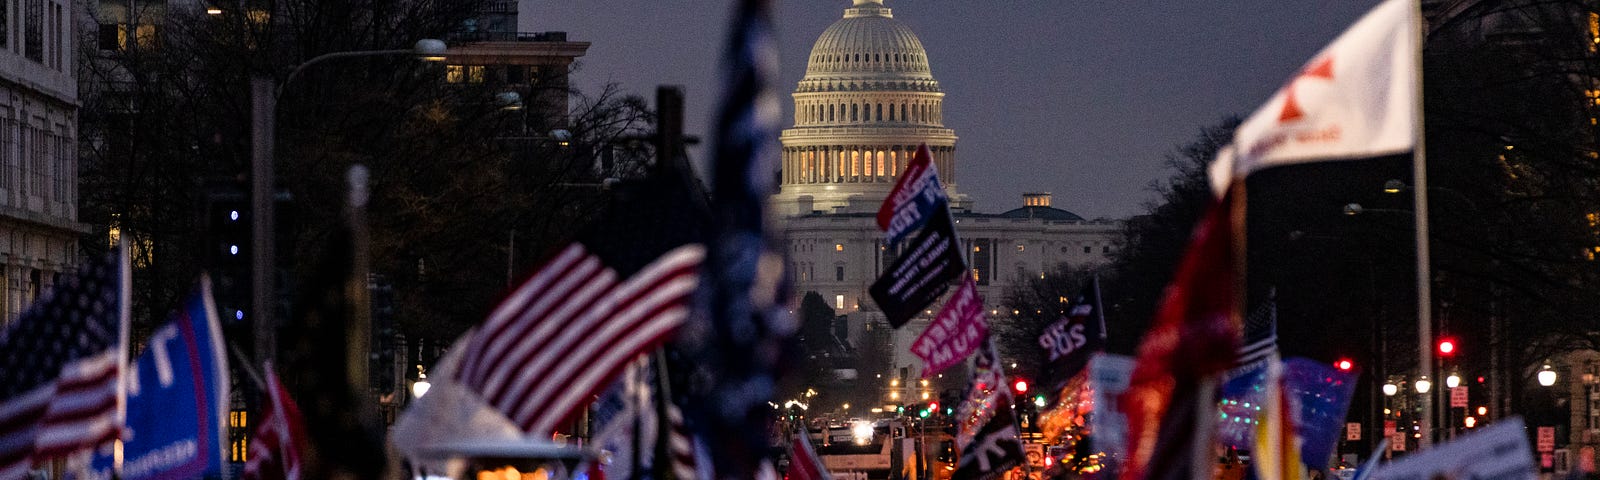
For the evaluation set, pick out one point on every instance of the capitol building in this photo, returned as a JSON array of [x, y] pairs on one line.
[[868, 99]]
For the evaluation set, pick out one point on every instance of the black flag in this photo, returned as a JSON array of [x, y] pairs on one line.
[[922, 274], [1069, 342], [987, 427]]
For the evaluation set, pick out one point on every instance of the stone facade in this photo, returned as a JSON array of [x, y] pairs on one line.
[[39, 230]]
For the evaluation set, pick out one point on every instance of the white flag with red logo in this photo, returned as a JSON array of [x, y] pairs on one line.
[[1356, 98]]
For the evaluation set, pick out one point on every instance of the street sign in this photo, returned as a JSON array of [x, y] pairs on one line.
[[1352, 431], [1546, 439], [1397, 441], [1458, 397], [1389, 428]]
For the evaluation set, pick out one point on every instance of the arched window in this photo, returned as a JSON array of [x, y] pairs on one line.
[[880, 112], [830, 113], [855, 111], [891, 112], [903, 116], [879, 165]]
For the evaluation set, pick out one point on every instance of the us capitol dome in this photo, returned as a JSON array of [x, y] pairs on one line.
[[867, 100]]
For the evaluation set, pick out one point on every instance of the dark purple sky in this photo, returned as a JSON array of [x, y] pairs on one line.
[[1081, 98]]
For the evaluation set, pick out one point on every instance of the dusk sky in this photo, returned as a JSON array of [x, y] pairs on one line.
[[1081, 98]]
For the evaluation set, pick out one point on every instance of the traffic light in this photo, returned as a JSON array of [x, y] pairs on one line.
[[1344, 364], [933, 407], [1021, 386], [227, 254], [1447, 346]]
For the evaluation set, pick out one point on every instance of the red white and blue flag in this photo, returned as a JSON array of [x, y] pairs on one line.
[[61, 389], [916, 197]]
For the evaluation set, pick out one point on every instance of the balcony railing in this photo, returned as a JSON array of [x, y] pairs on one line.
[[508, 37]]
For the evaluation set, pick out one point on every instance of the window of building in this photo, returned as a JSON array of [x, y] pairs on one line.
[[1105, 249], [1021, 247], [838, 302], [5, 24], [838, 273], [110, 36], [63, 165], [880, 113], [855, 111], [1087, 249], [59, 37], [40, 162], [33, 30], [838, 247], [8, 157]]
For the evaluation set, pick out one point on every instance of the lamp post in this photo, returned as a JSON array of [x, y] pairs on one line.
[[263, 119]]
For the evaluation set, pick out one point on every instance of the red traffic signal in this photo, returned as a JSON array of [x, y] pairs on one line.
[[1021, 386], [933, 406], [1344, 364], [1447, 346]]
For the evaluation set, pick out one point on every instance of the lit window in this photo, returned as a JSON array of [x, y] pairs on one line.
[[838, 302], [976, 248], [1021, 247], [455, 73], [838, 247]]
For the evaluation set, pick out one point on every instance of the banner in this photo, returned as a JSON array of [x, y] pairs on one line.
[[921, 274], [1109, 375], [916, 198], [1499, 451], [956, 331], [177, 400], [1070, 341]]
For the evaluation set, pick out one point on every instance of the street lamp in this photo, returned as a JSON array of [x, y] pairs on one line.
[[421, 386], [1389, 389], [264, 119], [1423, 385], [1547, 377], [1452, 381]]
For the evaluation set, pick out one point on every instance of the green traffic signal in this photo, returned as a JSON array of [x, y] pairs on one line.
[[922, 413]]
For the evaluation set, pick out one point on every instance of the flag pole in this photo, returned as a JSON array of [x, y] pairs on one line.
[[1419, 195]]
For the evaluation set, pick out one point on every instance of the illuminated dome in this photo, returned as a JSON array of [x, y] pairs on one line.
[[867, 101], [868, 45]]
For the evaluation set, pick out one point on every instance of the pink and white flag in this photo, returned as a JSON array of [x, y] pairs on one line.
[[955, 333], [1354, 99]]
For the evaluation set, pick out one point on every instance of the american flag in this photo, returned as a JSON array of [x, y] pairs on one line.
[[557, 339], [60, 368], [279, 446], [803, 461], [1260, 333]]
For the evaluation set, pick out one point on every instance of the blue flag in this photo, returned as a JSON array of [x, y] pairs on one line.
[[1323, 393], [177, 399]]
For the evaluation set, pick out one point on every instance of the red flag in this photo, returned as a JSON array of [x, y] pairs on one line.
[[803, 461], [278, 449], [1194, 336]]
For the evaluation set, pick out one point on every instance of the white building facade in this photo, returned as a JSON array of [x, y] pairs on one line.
[[867, 100], [39, 230]]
